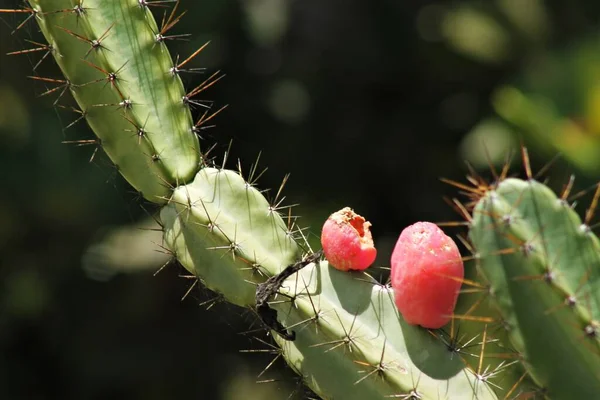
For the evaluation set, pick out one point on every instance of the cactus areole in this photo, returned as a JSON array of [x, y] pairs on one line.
[[427, 271], [347, 241]]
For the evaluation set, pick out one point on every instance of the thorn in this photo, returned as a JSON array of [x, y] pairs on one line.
[[86, 143], [490, 164], [64, 85], [379, 369], [514, 387], [253, 178], [567, 189], [82, 115], [210, 81], [111, 77], [347, 341], [154, 3], [168, 24], [460, 209], [79, 9], [204, 119], [26, 10], [464, 317], [589, 214], [226, 155], [275, 205], [546, 167], [526, 163], [205, 158], [193, 285], [140, 131], [194, 54], [163, 266], [506, 167], [42, 47], [210, 303]]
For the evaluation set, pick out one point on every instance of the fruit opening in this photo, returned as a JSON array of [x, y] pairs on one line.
[[358, 223]]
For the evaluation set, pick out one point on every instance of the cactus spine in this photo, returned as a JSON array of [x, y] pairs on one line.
[[537, 265]]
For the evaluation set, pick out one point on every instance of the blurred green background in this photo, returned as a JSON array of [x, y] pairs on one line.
[[365, 103]]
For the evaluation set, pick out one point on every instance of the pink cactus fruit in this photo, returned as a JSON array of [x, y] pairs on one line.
[[347, 241], [427, 272]]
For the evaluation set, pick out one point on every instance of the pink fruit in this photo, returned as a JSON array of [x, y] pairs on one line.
[[427, 272], [347, 241]]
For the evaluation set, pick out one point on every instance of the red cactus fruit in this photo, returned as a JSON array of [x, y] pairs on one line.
[[347, 241], [427, 272]]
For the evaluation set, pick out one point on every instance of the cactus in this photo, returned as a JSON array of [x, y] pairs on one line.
[[350, 341], [543, 267], [341, 331]]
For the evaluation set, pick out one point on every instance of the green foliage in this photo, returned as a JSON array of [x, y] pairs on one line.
[[543, 267]]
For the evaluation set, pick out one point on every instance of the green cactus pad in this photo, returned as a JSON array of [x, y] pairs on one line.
[[121, 78], [351, 343], [543, 266], [223, 230]]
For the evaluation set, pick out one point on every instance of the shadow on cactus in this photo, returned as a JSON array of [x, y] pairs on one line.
[[526, 324]]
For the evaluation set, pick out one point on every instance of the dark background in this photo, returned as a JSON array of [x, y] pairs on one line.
[[366, 103]]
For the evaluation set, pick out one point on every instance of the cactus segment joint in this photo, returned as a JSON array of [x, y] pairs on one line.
[[267, 289]]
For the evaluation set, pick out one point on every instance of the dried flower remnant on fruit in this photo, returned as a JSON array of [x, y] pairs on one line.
[[427, 272], [347, 241]]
